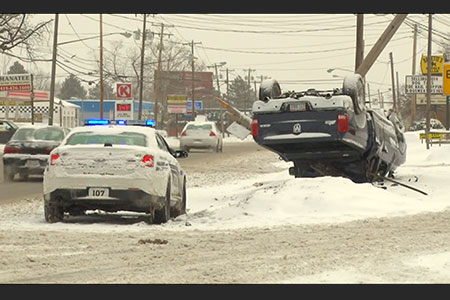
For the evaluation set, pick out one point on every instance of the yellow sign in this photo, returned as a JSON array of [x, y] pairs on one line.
[[431, 136], [437, 63], [446, 79]]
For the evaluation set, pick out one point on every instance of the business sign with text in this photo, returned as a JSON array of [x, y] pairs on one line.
[[417, 84], [15, 82]]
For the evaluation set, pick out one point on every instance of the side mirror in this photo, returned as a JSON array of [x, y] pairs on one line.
[[180, 154]]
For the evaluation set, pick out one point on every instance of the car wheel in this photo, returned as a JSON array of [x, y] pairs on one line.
[[269, 89], [162, 215], [53, 213], [8, 174], [180, 209]]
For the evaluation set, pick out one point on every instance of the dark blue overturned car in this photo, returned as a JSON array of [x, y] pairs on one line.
[[329, 133]]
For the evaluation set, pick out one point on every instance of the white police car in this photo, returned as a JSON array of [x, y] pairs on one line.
[[114, 166]]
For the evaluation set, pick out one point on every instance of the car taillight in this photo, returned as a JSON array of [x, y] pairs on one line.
[[54, 158], [11, 150], [148, 160], [183, 133], [255, 127], [342, 125], [212, 134]]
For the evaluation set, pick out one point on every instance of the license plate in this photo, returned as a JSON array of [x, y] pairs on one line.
[[98, 192], [32, 164]]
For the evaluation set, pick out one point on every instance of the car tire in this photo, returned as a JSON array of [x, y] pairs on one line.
[[180, 209], [162, 215], [354, 86], [8, 174], [269, 89], [53, 213]]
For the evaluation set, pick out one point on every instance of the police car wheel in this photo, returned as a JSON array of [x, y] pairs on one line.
[[162, 215]]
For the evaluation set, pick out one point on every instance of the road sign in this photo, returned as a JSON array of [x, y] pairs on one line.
[[123, 90], [417, 84], [15, 82], [437, 62], [446, 78], [198, 105]]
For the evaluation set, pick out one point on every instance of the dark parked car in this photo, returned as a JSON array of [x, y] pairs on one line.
[[27, 152], [7, 129], [329, 133]]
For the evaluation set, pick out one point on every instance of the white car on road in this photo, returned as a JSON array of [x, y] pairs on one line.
[[201, 135], [114, 168]]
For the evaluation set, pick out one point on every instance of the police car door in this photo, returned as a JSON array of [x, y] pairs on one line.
[[173, 164]]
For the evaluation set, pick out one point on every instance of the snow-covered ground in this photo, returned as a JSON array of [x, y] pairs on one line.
[[278, 199]]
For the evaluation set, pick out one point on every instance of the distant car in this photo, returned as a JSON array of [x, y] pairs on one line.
[[27, 152], [115, 168], [201, 135], [7, 129]]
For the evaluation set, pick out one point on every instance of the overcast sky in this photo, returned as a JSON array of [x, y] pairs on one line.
[[297, 50]]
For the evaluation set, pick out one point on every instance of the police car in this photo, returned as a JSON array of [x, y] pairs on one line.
[[115, 166]]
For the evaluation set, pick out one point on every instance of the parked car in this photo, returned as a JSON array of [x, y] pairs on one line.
[[201, 135], [115, 168], [7, 129], [27, 152], [329, 133]]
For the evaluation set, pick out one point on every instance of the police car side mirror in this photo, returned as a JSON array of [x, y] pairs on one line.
[[181, 154]]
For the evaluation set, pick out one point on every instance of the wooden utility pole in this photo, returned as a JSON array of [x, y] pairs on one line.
[[413, 96], [427, 130], [359, 40], [192, 43], [52, 82], [381, 43], [101, 67], [394, 101], [398, 92], [249, 87], [158, 74], [141, 77]]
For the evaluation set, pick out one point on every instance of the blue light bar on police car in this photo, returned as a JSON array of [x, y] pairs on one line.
[[121, 122], [150, 122], [97, 122]]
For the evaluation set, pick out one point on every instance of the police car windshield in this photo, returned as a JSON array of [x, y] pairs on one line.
[[122, 138]]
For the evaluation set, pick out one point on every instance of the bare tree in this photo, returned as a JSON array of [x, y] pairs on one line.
[[16, 30]]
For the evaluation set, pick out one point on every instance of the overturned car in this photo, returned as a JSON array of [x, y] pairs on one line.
[[329, 133]]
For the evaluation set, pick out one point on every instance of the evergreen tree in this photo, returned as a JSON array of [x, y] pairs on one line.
[[71, 87], [239, 94], [108, 91], [17, 68]]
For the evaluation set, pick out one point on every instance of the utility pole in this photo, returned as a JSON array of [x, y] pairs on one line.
[[101, 67], [52, 82], [158, 76], [359, 40], [398, 92], [413, 96], [220, 94], [193, 74], [393, 82], [249, 86], [141, 77], [381, 43], [427, 131]]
